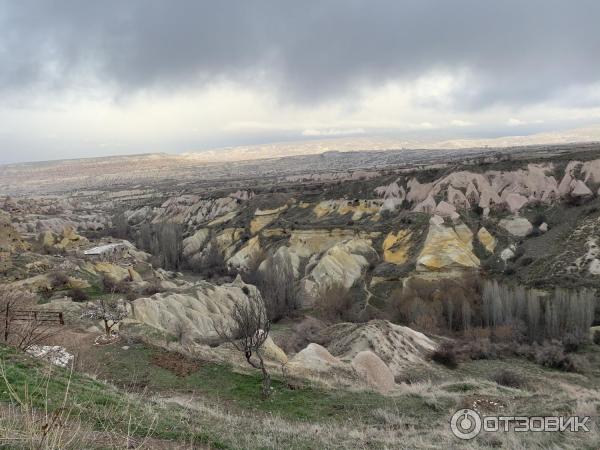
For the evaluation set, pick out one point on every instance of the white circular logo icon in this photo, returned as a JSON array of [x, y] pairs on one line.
[[465, 424]]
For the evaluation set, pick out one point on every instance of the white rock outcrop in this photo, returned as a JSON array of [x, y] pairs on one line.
[[373, 371], [314, 359], [517, 226], [343, 264], [399, 347], [195, 312]]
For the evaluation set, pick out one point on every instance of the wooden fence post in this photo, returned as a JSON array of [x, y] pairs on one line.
[[6, 323]]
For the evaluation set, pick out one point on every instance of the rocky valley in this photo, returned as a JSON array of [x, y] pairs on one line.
[[392, 288]]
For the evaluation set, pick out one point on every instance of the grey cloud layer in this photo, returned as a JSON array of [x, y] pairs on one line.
[[518, 51]]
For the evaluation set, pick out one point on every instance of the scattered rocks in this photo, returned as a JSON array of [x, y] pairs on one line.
[[53, 354]]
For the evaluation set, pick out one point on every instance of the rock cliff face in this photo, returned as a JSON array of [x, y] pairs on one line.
[[343, 264], [447, 248], [191, 210], [195, 312], [262, 218], [511, 189], [396, 247]]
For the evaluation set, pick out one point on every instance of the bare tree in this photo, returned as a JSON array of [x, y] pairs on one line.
[[110, 311], [334, 302], [277, 285], [164, 242], [249, 332]]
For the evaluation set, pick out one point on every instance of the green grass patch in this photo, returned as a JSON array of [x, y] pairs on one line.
[[240, 391]]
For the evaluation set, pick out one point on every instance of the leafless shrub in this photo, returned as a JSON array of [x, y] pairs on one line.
[[111, 286], [59, 279], [251, 274], [446, 355], [181, 332], [508, 378], [152, 288], [477, 349], [446, 304], [334, 302], [79, 295], [120, 227], [27, 333], [552, 355], [249, 332], [214, 260], [572, 342]]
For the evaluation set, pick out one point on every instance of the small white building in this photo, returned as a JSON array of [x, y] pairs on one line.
[[116, 249]]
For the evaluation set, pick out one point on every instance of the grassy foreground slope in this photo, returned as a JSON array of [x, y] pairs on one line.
[[214, 406]]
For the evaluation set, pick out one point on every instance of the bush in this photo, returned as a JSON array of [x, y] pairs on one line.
[[445, 355], [59, 279], [508, 378], [597, 337], [572, 342], [108, 285], [480, 349], [553, 356], [79, 295], [334, 303]]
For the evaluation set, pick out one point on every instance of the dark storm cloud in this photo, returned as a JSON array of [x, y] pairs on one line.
[[518, 51]]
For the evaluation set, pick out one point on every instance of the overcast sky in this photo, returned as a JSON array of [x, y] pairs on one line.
[[92, 78]]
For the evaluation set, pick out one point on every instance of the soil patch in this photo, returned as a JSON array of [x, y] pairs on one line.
[[176, 363]]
